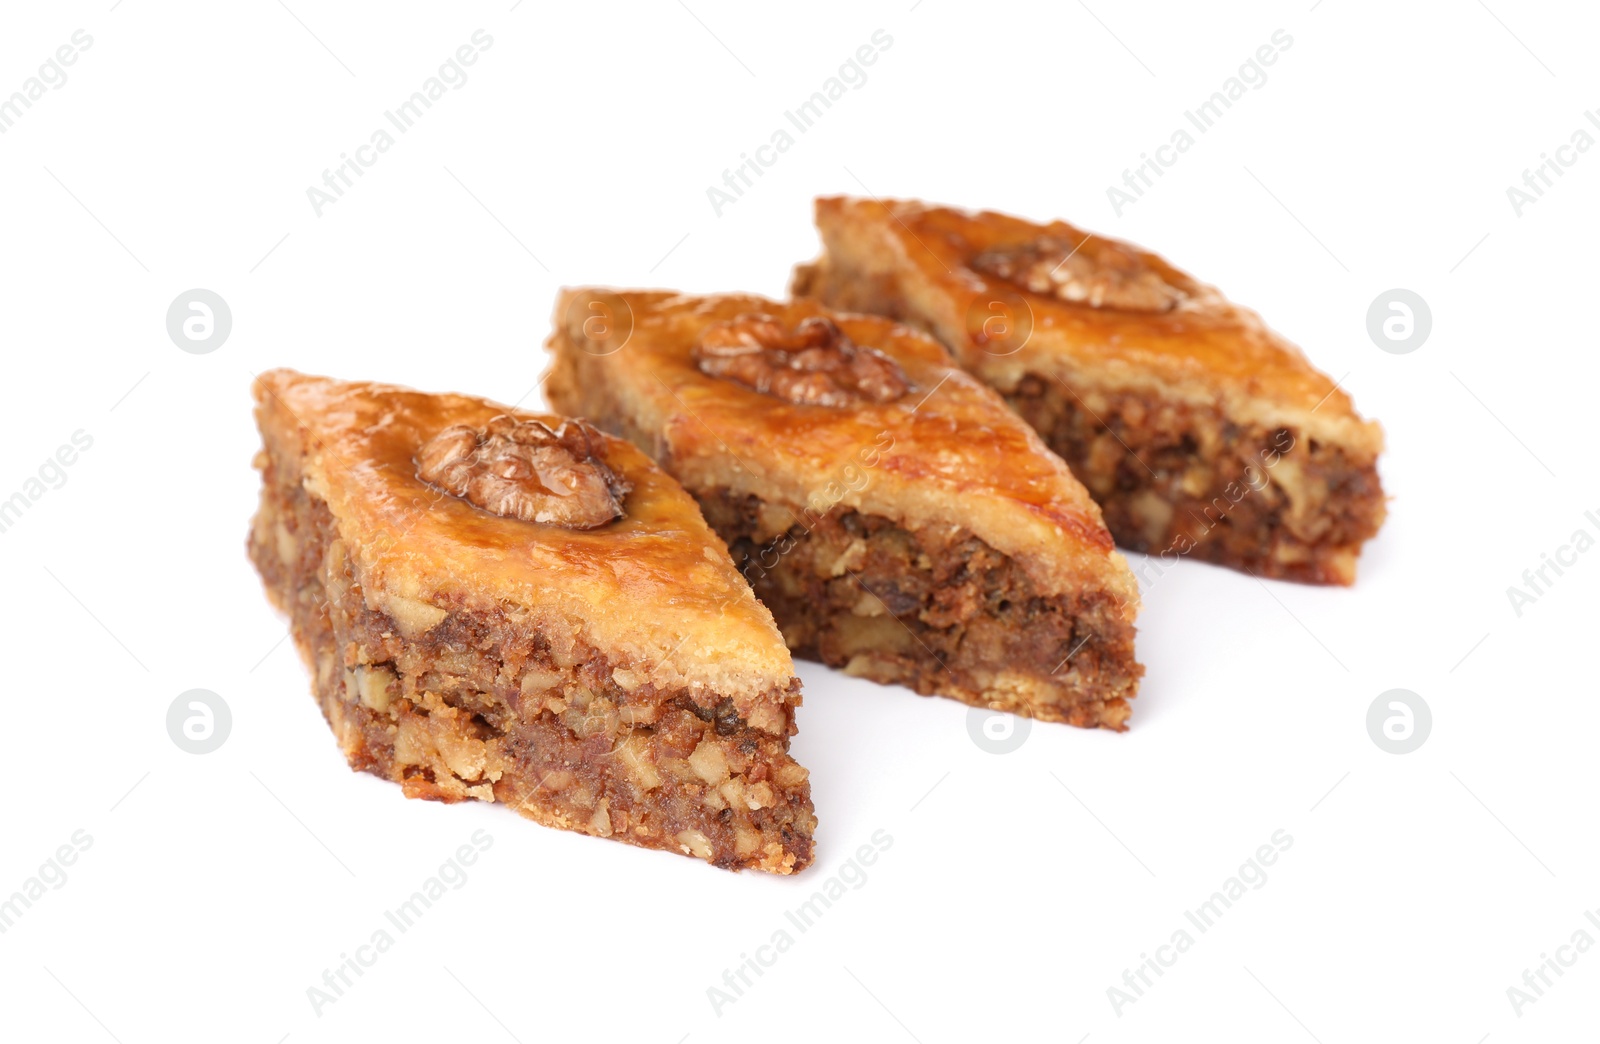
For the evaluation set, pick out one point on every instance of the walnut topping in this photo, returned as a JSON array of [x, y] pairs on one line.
[[1096, 272], [527, 470], [814, 364]]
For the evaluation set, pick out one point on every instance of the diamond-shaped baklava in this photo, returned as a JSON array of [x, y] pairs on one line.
[[1198, 430], [515, 607], [896, 517]]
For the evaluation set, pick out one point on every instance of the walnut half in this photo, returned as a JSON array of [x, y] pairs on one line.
[[1095, 272], [527, 470], [814, 364]]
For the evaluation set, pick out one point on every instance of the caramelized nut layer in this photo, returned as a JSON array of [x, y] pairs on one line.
[[1098, 273], [526, 470], [815, 364]]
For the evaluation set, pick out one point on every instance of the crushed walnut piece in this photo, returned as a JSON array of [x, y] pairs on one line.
[[527, 470], [1096, 272], [815, 364]]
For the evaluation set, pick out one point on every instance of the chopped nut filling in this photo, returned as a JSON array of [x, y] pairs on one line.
[[492, 707], [815, 364], [526, 470], [1095, 272], [1174, 479], [935, 609]]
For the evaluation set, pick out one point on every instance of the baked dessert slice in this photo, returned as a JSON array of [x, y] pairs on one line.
[[1198, 430], [512, 607], [898, 520]]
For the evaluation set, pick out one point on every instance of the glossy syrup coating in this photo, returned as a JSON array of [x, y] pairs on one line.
[[948, 453], [646, 586], [1111, 316]]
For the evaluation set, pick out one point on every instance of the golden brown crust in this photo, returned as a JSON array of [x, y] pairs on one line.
[[1198, 430], [1200, 349], [651, 583], [953, 441]]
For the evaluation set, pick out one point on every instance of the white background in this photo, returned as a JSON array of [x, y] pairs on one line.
[[1018, 887]]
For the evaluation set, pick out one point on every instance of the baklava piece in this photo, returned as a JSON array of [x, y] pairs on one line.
[[898, 520], [1198, 430], [513, 607]]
